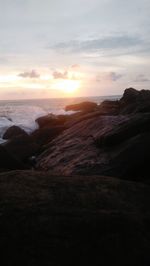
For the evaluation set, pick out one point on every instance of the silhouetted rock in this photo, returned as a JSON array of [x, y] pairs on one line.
[[55, 220], [134, 101], [84, 107], [13, 132]]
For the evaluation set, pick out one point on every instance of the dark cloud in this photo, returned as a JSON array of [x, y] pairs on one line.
[[60, 75], [114, 76], [110, 76], [99, 45], [30, 74], [141, 78]]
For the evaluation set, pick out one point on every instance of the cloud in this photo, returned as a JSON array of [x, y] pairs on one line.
[[99, 45], [75, 66], [141, 78], [110, 76], [60, 75], [114, 76], [30, 74]]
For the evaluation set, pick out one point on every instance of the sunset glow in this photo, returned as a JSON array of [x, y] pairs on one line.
[[67, 86]]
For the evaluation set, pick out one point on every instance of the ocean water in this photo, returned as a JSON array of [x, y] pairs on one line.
[[23, 113]]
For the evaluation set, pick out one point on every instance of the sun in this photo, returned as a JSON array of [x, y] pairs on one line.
[[67, 86]]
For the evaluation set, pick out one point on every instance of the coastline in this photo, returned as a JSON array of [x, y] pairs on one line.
[[76, 191]]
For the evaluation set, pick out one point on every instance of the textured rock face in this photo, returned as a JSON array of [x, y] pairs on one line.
[[54, 220], [75, 151], [103, 143]]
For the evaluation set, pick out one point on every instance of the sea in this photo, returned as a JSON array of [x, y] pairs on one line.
[[23, 113]]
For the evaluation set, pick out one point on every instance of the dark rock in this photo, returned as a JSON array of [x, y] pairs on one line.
[[13, 132], [8, 161], [133, 160], [55, 220], [84, 107], [108, 107], [46, 134], [22, 147], [134, 101], [137, 124], [50, 121]]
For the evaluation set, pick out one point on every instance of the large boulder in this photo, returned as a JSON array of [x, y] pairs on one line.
[[84, 107], [13, 132], [56, 220]]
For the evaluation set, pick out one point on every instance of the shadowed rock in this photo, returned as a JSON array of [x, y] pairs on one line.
[[13, 132]]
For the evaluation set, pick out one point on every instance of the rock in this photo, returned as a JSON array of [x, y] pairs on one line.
[[8, 161], [108, 107], [22, 147], [137, 124], [13, 132], [74, 151], [134, 101], [46, 134], [84, 107], [55, 220], [51, 121], [108, 145]]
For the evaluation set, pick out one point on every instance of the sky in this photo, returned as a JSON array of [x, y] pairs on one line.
[[67, 48]]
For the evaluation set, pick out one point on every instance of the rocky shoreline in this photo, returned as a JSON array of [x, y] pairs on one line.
[[76, 191], [109, 139]]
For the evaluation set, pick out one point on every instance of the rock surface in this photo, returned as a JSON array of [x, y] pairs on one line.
[[54, 220]]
